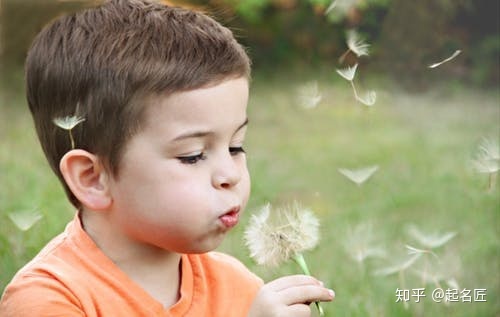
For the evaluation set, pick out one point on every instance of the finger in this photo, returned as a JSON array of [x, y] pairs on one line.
[[299, 310], [306, 294], [291, 281]]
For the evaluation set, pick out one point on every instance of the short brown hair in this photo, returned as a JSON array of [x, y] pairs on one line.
[[104, 63]]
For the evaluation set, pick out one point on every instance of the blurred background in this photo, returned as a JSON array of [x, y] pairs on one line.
[[281, 34], [402, 154]]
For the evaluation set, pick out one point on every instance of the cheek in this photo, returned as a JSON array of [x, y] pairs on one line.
[[246, 186]]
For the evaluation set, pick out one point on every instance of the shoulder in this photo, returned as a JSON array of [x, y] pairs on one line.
[[38, 295], [41, 286]]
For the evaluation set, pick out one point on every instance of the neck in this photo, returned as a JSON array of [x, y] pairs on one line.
[[156, 270]]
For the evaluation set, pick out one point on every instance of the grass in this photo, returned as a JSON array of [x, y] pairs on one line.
[[422, 143]]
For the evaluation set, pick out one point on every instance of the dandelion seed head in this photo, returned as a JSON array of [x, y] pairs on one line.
[[356, 44], [348, 73], [274, 236], [68, 123]]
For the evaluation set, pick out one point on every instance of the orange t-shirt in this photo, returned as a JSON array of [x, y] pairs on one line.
[[72, 277]]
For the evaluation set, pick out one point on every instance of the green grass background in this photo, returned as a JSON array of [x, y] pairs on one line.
[[422, 142]]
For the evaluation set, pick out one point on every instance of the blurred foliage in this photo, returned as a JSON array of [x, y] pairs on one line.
[[20, 21], [415, 34], [405, 36], [281, 33]]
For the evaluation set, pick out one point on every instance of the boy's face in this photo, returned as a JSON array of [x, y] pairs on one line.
[[183, 180]]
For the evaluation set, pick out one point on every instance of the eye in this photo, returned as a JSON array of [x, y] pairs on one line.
[[236, 150], [191, 159]]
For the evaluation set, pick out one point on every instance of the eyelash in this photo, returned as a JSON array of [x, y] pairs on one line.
[[236, 150], [193, 159]]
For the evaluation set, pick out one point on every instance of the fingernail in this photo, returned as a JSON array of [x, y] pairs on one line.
[[331, 292]]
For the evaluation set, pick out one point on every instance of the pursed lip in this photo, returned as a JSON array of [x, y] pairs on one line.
[[230, 218]]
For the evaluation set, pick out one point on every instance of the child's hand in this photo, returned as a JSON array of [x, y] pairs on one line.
[[289, 296]]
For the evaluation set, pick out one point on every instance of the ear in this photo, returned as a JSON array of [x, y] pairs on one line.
[[87, 179]]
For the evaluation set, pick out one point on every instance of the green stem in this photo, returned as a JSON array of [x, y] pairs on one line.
[[299, 258]]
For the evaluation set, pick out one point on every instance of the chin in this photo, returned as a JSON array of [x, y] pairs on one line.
[[208, 245]]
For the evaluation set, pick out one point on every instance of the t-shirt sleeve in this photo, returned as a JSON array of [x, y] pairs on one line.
[[38, 296]]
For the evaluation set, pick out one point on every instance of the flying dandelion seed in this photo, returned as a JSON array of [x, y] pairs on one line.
[[430, 241], [442, 271], [413, 250], [341, 7], [398, 267], [282, 236], [369, 99], [348, 73], [68, 123], [486, 165], [434, 278], [309, 95], [487, 160], [359, 176], [455, 54], [487, 157], [356, 44], [331, 7], [360, 244], [24, 220]]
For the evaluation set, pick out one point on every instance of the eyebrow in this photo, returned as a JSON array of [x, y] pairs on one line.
[[200, 134]]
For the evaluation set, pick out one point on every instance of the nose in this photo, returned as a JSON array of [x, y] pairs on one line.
[[227, 172]]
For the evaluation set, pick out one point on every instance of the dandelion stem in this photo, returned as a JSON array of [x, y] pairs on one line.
[[71, 139], [299, 258], [354, 89], [341, 58]]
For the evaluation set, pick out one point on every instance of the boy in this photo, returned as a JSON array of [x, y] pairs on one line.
[[156, 169]]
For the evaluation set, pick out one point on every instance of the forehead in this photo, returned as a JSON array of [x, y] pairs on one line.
[[218, 104]]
